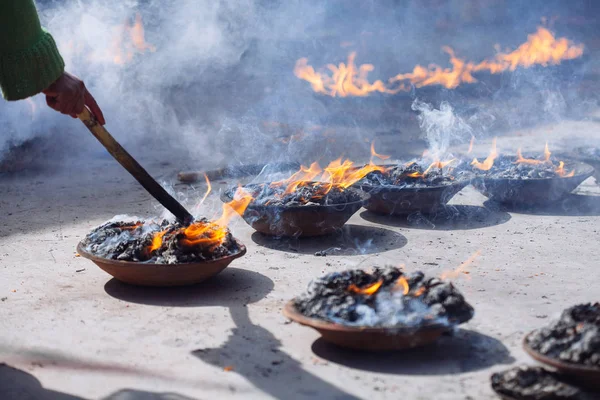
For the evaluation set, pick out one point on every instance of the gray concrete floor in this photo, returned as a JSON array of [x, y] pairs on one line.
[[70, 331]]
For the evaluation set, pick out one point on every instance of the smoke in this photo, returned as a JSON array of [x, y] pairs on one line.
[[441, 127], [208, 74]]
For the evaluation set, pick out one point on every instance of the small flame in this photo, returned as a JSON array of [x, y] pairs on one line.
[[529, 161], [157, 241], [208, 189], [471, 145], [368, 290], [123, 51], [374, 154], [489, 161], [560, 170], [420, 291], [403, 283], [461, 268], [541, 48]]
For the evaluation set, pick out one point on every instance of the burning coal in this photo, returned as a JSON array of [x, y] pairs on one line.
[[167, 242], [343, 80], [387, 297], [574, 338]]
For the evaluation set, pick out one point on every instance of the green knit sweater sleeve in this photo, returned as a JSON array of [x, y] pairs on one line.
[[29, 58]]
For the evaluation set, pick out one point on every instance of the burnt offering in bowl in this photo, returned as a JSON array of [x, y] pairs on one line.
[[570, 344], [150, 253], [512, 182], [383, 310], [536, 383], [308, 209], [409, 188]]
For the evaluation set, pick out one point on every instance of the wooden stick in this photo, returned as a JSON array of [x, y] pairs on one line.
[[134, 168]]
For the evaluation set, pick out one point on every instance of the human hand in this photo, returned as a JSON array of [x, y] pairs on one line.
[[68, 95]]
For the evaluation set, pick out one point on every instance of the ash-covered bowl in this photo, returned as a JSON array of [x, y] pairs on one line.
[[383, 310], [160, 254], [405, 189], [302, 213], [571, 344], [522, 184]]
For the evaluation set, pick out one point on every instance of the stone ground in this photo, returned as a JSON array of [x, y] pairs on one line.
[[69, 331]]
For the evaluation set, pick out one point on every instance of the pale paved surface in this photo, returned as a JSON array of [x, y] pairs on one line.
[[82, 334]]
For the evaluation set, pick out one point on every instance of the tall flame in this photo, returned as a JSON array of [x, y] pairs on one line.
[[129, 40], [541, 48]]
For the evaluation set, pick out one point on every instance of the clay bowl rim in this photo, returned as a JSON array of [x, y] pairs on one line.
[[225, 198], [571, 368], [290, 311], [121, 263], [582, 169]]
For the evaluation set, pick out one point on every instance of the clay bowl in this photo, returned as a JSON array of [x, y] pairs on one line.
[[533, 191], [372, 339], [149, 274], [299, 221], [397, 200], [586, 376]]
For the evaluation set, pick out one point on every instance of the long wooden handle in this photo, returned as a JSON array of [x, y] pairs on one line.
[[134, 168]]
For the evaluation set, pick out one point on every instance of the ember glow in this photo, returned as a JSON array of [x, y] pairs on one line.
[[346, 79], [368, 290], [207, 234], [403, 284]]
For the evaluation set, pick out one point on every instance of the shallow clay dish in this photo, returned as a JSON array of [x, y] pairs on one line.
[[533, 191], [299, 221], [149, 274], [396, 200], [373, 339], [584, 375]]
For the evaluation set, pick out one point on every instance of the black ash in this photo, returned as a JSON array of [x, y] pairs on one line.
[[304, 194], [387, 297], [573, 338], [416, 175], [535, 383], [163, 242]]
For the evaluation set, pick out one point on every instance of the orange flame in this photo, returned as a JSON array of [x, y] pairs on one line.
[[541, 48], [208, 234], [338, 173], [122, 51], [208, 189], [560, 170], [471, 145], [368, 290], [436, 164], [529, 161], [374, 154], [403, 283], [489, 161], [462, 268], [420, 291]]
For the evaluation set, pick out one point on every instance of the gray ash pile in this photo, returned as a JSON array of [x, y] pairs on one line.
[[417, 175], [535, 383], [300, 194], [387, 297], [162, 242], [574, 338]]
